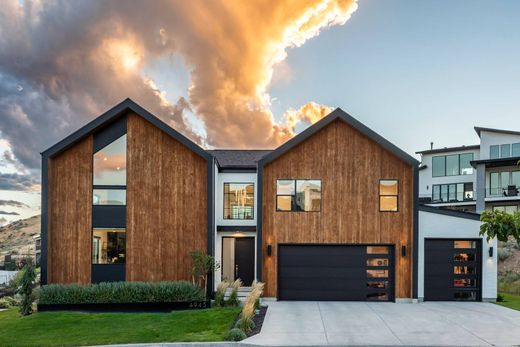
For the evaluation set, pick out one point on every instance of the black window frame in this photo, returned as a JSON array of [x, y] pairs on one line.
[[224, 200], [293, 197], [115, 232], [380, 195], [441, 185]]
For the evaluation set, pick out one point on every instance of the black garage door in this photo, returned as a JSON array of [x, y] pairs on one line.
[[334, 272], [452, 270]]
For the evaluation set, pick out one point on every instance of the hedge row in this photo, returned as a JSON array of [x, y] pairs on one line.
[[120, 292]]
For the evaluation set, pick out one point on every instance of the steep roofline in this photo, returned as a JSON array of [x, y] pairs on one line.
[[479, 129], [451, 213], [114, 113], [338, 113]]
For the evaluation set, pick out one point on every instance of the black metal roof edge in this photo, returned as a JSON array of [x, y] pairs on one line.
[[513, 160], [112, 114], [448, 149], [338, 113], [479, 129], [448, 212], [236, 228]]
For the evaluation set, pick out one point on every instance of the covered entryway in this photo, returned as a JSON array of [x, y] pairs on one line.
[[238, 259], [336, 272], [452, 269]]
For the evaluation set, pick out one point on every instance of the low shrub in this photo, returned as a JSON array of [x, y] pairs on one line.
[[245, 324], [235, 335], [220, 294], [500, 298], [503, 253], [4, 304], [120, 292], [10, 301]]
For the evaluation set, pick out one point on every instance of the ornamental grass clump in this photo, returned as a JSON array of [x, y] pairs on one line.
[[233, 297], [220, 295], [252, 302]]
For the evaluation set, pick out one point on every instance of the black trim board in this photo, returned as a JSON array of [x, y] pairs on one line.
[[449, 149], [248, 228], [338, 113], [44, 221], [498, 162], [415, 247], [448, 212]]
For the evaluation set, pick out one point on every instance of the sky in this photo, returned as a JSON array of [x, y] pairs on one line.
[[252, 74]]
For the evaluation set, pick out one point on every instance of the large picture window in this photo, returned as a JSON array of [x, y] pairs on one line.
[[298, 195], [452, 165], [388, 195], [239, 200], [452, 192], [109, 178], [108, 246]]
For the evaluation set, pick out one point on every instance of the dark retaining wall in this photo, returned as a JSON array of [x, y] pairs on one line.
[[130, 307]]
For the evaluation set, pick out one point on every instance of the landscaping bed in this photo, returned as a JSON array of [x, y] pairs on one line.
[[259, 321], [510, 300]]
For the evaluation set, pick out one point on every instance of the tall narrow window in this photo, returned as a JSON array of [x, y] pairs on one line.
[[239, 200], [110, 174], [494, 152], [388, 195], [439, 166], [505, 151], [465, 164], [452, 165], [515, 150], [494, 184]]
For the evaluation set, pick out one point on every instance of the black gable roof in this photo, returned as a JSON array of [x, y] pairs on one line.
[[238, 158]]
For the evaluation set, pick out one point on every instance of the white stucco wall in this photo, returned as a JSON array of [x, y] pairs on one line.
[[426, 180], [433, 225], [489, 138], [219, 197]]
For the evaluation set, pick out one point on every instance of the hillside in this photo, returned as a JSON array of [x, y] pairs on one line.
[[17, 237]]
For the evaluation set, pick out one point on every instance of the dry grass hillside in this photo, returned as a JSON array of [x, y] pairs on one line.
[[509, 267], [17, 238]]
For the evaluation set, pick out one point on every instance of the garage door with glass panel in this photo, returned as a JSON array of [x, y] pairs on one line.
[[452, 270], [335, 272]]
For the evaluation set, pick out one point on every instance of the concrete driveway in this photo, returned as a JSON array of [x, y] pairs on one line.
[[359, 323]]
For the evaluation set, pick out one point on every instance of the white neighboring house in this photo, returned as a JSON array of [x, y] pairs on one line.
[[455, 185]]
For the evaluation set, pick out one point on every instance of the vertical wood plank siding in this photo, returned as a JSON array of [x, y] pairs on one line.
[[166, 204], [70, 214], [349, 165]]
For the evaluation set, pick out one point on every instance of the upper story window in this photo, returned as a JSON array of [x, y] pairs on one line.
[[504, 151], [452, 192], [452, 165], [109, 177], [504, 183], [388, 195], [239, 200], [298, 195]]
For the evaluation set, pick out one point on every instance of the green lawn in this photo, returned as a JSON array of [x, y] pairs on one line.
[[511, 301], [79, 329]]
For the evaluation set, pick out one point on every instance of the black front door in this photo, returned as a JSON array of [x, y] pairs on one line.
[[245, 259]]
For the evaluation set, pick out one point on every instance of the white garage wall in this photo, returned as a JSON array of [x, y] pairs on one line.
[[434, 225]]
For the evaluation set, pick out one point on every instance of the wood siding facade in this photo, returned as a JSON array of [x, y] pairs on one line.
[[350, 166], [70, 214], [166, 204]]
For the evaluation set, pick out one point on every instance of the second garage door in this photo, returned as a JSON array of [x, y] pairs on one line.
[[336, 272]]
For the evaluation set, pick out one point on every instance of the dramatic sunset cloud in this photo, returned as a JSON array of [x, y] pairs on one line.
[[64, 62]]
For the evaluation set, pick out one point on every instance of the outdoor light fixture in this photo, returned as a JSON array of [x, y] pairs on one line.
[[403, 251], [491, 252], [269, 250]]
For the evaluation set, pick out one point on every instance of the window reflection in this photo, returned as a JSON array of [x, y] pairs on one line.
[[308, 195], [239, 200], [110, 164], [109, 197], [388, 195], [108, 246]]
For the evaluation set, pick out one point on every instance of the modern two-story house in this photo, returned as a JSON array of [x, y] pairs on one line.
[[332, 214]]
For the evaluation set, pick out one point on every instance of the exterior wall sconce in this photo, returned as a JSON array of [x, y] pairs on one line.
[[403, 251], [491, 252], [269, 250]]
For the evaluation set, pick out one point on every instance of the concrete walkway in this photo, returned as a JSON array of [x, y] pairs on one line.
[[359, 323]]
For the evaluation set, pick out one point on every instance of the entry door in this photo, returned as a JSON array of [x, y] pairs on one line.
[[452, 269], [245, 259], [238, 259]]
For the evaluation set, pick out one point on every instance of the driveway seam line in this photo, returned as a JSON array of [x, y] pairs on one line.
[[384, 322], [454, 322], [323, 324]]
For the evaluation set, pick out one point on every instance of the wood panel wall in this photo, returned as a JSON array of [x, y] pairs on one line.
[[350, 166], [166, 204], [70, 214]]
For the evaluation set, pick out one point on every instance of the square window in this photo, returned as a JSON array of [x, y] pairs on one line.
[[283, 203], [308, 195], [388, 203]]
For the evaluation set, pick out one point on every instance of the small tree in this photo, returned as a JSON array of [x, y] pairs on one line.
[[501, 225], [202, 265], [28, 277]]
